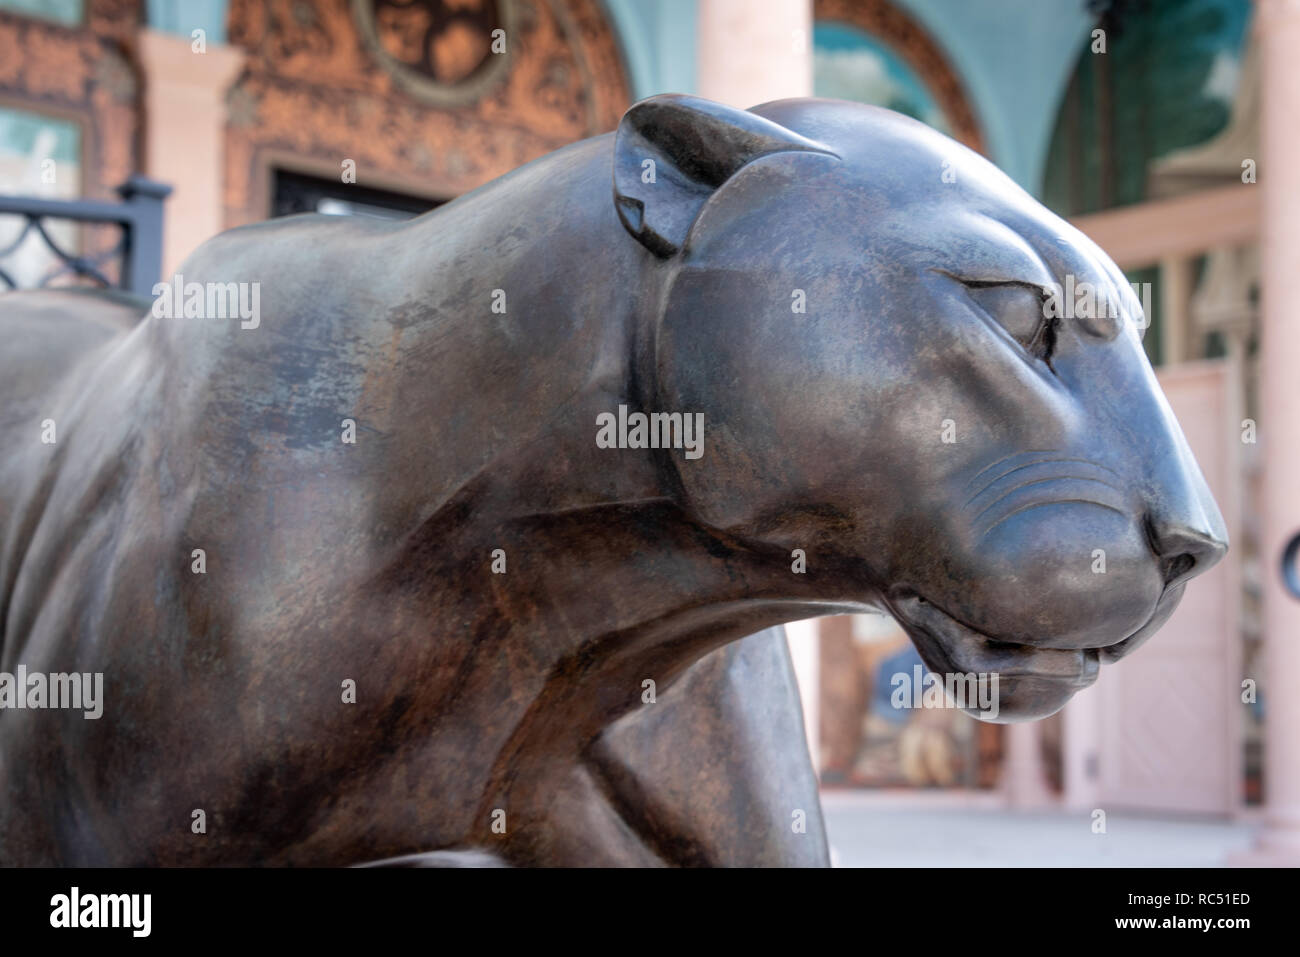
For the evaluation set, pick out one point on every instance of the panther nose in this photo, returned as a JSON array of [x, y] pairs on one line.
[[1185, 552], [1186, 529]]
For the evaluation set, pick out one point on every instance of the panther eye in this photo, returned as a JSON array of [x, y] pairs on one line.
[[1018, 308]]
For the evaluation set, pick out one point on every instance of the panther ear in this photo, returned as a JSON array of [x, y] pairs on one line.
[[672, 151]]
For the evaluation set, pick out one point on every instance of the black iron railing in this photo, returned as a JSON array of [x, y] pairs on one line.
[[139, 249]]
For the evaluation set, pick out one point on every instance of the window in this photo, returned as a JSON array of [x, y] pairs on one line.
[[850, 64], [299, 193], [39, 156], [71, 12]]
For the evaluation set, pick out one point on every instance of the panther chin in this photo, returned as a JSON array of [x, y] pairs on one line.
[[1032, 683]]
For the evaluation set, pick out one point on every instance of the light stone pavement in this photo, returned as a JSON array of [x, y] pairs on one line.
[[866, 832]]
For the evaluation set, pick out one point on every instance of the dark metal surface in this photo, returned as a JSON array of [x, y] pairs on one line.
[[927, 444]]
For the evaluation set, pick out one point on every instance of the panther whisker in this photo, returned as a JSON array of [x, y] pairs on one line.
[[1055, 501], [1042, 481], [1004, 459], [1027, 465]]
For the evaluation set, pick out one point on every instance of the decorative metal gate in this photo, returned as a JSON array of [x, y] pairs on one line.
[[138, 250]]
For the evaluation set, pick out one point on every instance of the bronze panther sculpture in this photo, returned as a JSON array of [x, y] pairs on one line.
[[855, 304]]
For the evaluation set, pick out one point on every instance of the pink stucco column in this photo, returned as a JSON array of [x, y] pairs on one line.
[[1277, 24], [1081, 750], [185, 123], [749, 53], [1023, 781]]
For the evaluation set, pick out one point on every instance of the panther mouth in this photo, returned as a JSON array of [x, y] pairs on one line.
[[963, 649], [953, 645], [1032, 682]]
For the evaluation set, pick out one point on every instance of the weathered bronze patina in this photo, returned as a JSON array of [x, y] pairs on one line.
[[857, 307]]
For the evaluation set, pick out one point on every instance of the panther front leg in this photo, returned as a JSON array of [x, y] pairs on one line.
[[717, 772]]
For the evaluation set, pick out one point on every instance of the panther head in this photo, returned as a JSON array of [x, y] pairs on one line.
[[870, 316]]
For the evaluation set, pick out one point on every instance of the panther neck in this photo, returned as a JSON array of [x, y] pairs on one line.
[[530, 524]]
